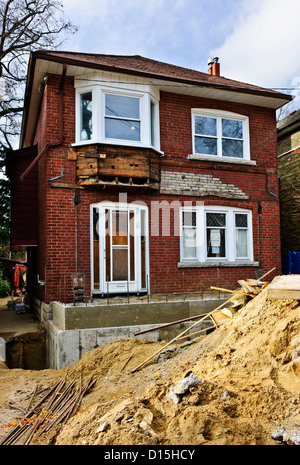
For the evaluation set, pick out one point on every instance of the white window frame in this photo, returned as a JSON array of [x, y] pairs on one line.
[[230, 236], [219, 115], [98, 116]]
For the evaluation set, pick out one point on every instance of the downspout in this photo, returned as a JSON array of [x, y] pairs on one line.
[[267, 185], [61, 137]]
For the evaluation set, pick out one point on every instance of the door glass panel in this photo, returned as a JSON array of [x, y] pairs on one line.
[[96, 248], [107, 244], [120, 264], [143, 251], [132, 254], [119, 228]]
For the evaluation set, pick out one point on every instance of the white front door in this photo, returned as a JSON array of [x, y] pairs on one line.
[[119, 235]]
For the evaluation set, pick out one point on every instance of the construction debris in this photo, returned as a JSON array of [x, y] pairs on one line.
[[249, 289], [182, 386], [248, 394], [56, 407]]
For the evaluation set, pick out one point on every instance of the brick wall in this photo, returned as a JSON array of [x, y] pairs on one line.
[[64, 231], [289, 169]]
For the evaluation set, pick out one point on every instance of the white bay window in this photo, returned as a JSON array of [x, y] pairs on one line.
[[211, 234], [112, 115]]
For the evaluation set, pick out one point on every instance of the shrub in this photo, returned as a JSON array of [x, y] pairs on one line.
[[4, 285]]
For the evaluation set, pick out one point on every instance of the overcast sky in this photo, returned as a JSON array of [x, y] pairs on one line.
[[257, 41]]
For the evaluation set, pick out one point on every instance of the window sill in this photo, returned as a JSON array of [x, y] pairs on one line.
[[109, 142], [216, 264], [238, 161]]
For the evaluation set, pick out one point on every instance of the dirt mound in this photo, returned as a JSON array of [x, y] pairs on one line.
[[247, 386]]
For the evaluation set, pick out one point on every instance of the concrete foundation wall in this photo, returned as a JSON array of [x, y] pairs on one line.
[[76, 330], [69, 317]]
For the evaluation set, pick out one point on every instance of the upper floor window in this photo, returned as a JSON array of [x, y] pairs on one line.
[[122, 117], [220, 134], [118, 117]]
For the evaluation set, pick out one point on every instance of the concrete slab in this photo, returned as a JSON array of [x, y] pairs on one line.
[[284, 287]]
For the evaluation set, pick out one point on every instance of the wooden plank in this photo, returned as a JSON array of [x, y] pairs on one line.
[[228, 290], [220, 318], [62, 185]]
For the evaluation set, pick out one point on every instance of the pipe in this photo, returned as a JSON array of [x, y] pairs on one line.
[[267, 185], [61, 137]]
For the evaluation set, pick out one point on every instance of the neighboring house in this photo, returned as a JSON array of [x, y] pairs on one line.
[[288, 135], [143, 176]]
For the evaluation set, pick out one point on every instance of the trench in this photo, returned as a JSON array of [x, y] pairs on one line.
[[27, 351]]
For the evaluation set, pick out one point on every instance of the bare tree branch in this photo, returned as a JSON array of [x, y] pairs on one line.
[[25, 26]]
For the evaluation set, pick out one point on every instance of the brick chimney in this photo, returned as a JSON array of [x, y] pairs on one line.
[[214, 66]]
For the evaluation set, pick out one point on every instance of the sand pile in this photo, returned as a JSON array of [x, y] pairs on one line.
[[240, 384]]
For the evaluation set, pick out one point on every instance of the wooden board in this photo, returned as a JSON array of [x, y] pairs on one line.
[[123, 162], [220, 318]]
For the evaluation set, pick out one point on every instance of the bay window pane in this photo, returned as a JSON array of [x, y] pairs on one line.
[[232, 148], [86, 116], [122, 129], [241, 243], [205, 126], [206, 145], [232, 128], [121, 106], [153, 125]]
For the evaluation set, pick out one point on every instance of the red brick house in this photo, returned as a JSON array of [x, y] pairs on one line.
[[143, 176]]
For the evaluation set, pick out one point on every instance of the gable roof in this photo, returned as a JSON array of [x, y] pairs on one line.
[[166, 76], [138, 65]]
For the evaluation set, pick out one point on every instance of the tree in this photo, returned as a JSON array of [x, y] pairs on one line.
[[25, 26]]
